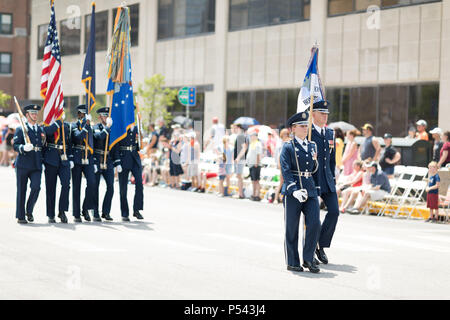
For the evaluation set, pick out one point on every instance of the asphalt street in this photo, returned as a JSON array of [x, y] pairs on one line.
[[200, 246]]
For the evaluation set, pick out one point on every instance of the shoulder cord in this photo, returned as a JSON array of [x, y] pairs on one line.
[[315, 160], [298, 167]]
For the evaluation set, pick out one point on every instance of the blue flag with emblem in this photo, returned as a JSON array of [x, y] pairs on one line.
[[120, 88], [88, 76], [311, 84]]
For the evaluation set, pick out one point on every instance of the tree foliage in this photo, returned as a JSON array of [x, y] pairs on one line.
[[155, 99], [5, 99]]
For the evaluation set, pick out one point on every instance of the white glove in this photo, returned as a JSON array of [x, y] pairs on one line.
[[301, 195], [119, 168], [63, 116], [109, 122], [88, 117], [28, 147], [71, 164], [95, 168]]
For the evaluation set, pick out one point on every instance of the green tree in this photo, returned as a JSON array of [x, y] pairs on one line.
[[5, 99], [155, 99]]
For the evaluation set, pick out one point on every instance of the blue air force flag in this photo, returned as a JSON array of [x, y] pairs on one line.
[[311, 84], [122, 110]]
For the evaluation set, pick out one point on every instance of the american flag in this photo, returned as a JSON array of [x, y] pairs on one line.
[[51, 88]]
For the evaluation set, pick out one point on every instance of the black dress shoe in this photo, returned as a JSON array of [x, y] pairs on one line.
[[321, 256], [316, 262], [22, 221], [86, 216], [107, 217], [78, 220], [138, 215], [125, 219], [311, 266], [63, 217], [97, 219], [295, 269], [30, 217], [51, 220]]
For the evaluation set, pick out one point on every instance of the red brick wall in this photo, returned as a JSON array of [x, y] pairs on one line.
[[18, 46]]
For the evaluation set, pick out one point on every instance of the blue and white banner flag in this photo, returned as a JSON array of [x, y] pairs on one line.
[[311, 84]]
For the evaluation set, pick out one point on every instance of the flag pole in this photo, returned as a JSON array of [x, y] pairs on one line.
[[87, 133], [107, 136], [64, 156], [21, 116]]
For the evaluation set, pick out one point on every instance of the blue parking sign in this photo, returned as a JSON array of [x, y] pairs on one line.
[[192, 96]]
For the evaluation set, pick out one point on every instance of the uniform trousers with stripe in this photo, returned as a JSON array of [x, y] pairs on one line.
[[329, 223], [51, 175], [292, 211], [22, 176]]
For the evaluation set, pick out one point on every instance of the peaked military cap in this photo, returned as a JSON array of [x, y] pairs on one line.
[[321, 106], [82, 108], [103, 111], [298, 118], [32, 108]]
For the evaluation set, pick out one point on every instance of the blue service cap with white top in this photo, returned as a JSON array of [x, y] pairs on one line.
[[82, 108], [103, 111], [321, 106], [298, 118], [32, 108]]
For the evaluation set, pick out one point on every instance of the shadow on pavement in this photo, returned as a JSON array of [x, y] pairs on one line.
[[321, 274], [339, 267], [136, 225]]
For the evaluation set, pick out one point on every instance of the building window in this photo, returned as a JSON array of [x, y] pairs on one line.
[[6, 23], [338, 7], [70, 36], [269, 107], [246, 14], [134, 21], [390, 108], [5, 63], [179, 18], [41, 40], [101, 30], [70, 105]]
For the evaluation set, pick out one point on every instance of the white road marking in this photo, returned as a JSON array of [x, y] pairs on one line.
[[245, 240], [67, 243], [399, 242]]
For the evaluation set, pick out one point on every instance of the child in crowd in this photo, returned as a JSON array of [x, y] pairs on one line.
[[433, 192], [225, 166]]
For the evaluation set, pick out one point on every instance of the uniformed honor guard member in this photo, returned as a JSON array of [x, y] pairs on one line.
[[57, 164], [325, 175], [28, 163], [82, 130], [101, 137], [129, 161], [298, 162]]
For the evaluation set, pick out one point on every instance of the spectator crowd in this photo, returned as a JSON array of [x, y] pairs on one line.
[[180, 158]]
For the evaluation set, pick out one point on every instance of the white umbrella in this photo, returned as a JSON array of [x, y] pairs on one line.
[[344, 126]]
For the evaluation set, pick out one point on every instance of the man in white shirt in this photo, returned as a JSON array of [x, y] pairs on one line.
[[253, 161], [216, 134]]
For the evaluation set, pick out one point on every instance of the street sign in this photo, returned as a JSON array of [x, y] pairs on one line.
[[188, 96]]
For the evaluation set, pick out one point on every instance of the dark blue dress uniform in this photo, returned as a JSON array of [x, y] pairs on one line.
[[325, 176], [294, 181], [56, 166], [80, 131], [28, 165], [130, 161], [101, 136]]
